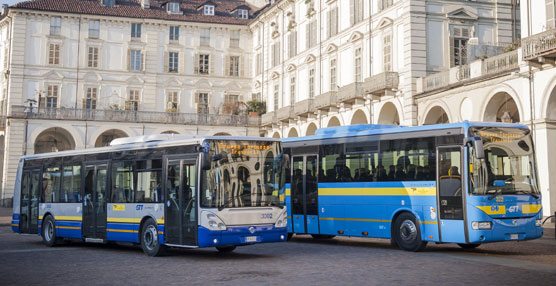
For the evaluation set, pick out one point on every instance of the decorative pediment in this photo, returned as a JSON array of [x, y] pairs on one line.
[[275, 34], [274, 75], [173, 82], [462, 13], [384, 22], [309, 59], [257, 84], [92, 77], [203, 84], [356, 36], [331, 48], [291, 67], [53, 75], [135, 80]]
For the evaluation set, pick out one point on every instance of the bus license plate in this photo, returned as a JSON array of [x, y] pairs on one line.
[[250, 239], [514, 236]]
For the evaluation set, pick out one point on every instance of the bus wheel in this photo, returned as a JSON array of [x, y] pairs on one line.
[[149, 239], [226, 249], [290, 235], [49, 232], [322, 236], [469, 245], [407, 233]]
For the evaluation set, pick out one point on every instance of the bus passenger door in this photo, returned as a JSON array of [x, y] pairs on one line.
[[451, 194], [95, 198], [304, 194], [29, 212], [180, 219]]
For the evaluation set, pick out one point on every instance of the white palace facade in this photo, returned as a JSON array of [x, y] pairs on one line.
[[112, 68]]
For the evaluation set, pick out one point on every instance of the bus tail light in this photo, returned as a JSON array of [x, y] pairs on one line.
[[481, 225]]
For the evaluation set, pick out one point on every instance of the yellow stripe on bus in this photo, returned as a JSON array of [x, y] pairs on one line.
[[13, 224], [288, 192], [420, 191], [530, 209], [68, 227], [493, 210], [122, 230], [371, 220], [130, 220]]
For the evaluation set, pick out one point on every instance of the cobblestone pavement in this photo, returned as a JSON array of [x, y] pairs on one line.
[[302, 261]]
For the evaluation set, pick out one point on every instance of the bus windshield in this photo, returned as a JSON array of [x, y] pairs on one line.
[[242, 174], [508, 166]]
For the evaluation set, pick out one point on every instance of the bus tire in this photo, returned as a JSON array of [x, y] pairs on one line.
[[469, 245], [226, 249], [49, 232], [290, 235], [322, 236], [149, 239], [408, 233]]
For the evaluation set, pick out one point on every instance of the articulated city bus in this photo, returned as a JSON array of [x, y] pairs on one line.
[[156, 191], [465, 183]]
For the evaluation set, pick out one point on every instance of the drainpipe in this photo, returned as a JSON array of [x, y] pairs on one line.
[[77, 71], [370, 59]]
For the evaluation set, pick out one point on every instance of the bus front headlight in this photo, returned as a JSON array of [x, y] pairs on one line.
[[212, 221], [282, 220], [538, 223], [482, 225]]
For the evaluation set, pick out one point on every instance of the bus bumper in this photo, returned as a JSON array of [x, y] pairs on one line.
[[241, 235], [507, 229]]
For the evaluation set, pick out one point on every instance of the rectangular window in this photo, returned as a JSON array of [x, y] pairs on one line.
[[132, 103], [231, 98], [384, 4], [174, 33], [122, 182], [149, 181], [108, 3], [276, 90], [204, 64], [90, 101], [312, 83], [234, 39], [173, 7], [173, 59], [234, 66], [71, 184], [92, 58], [550, 14], [292, 44], [54, 54], [333, 22], [135, 60], [135, 31], [243, 14], [209, 10], [358, 77], [356, 11], [258, 64], [51, 183], [202, 103], [292, 90], [275, 54], [205, 37], [94, 29], [311, 34], [333, 84], [458, 45], [52, 96], [387, 51], [55, 25], [172, 101]]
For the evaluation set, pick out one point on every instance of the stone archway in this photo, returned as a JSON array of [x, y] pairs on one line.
[[293, 133], [311, 129], [222, 134], [437, 115], [551, 106], [53, 140], [359, 117], [502, 108], [389, 114], [107, 136], [333, 122], [276, 135]]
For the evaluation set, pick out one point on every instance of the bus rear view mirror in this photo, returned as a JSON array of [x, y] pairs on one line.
[[205, 161], [217, 157], [478, 146]]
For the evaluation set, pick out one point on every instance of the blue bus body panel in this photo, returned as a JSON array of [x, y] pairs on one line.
[[128, 232], [298, 223], [453, 230], [312, 224], [15, 222], [239, 235]]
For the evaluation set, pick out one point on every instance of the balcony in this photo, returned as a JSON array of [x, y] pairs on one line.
[[285, 113], [540, 46], [326, 100], [304, 107], [381, 83], [351, 92], [24, 112], [493, 66], [268, 118]]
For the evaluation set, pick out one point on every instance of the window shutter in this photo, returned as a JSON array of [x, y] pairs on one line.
[[452, 60], [550, 14], [227, 68], [329, 28], [314, 32], [241, 67], [143, 68], [128, 60], [181, 68], [166, 61], [196, 97], [308, 36], [352, 12], [211, 64], [196, 64], [380, 5]]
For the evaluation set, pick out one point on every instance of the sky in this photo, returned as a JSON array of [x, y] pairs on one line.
[[10, 2]]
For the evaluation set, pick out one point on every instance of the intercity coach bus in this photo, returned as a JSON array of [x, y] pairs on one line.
[[465, 183], [157, 191]]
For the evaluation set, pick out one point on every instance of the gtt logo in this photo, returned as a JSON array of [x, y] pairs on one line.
[[513, 209]]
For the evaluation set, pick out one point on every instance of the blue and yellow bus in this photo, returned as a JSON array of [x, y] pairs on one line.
[[157, 191], [465, 183]]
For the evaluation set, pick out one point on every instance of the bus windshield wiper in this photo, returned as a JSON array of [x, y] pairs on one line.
[[496, 193], [225, 204]]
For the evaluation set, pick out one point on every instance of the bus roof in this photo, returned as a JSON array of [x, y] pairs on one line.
[[376, 129], [146, 142]]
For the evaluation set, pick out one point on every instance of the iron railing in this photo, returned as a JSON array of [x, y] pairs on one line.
[[501, 63], [378, 84], [538, 45]]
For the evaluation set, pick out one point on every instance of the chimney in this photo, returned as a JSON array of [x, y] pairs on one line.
[[4, 10], [145, 4]]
